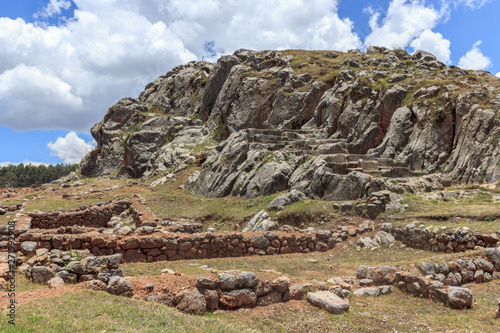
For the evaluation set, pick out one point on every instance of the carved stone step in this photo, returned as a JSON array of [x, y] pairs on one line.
[[338, 168], [389, 162], [357, 157], [265, 138], [267, 146], [254, 131], [394, 172]]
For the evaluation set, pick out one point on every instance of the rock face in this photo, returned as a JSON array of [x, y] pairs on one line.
[[306, 121]]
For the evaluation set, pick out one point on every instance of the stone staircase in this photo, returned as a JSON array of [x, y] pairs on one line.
[[335, 152]]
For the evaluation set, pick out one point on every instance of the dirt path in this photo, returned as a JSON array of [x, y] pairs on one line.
[[37, 294]]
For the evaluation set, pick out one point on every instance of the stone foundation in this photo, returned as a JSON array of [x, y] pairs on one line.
[[437, 240], [159, 246], [96, 216]]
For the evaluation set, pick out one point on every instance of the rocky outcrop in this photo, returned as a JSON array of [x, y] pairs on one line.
[[306, 120], [134, 129]]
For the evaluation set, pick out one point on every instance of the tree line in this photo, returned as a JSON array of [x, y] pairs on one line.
[[21, 175]]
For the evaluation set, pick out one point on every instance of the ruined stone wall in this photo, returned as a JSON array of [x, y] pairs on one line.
[[438, 240], [11, 208], [443, 282], [160, 246], [94, 216]]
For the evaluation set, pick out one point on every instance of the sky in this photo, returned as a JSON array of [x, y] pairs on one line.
[[64, 63]]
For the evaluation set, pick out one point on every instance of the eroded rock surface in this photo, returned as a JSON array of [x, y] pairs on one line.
[[269, 123]]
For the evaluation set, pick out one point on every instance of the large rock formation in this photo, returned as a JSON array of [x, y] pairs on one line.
[[324, 123]]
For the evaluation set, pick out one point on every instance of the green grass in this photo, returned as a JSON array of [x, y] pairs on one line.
[[23, 284], [54, 203], [394, 312], [11, 202], [169, 202], [397, 311], [341, 261], [92, 311], [478, 209], [4, 219]]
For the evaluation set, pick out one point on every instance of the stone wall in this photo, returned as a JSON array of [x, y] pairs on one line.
[[231, 292], [95, 216], [442, 240], [157, 246], [444, 282], [11, 208]]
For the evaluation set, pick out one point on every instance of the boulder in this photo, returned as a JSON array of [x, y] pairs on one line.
[[459, 298], [484, 265], [427, 268], [262, 288], [166, 300], [260, 222], [371, 291], [247, 280], [328, 301], [96, 285], [280, 284], [296, 292], [55, 282], [206, 283], [385, 290], [361, 272], [280, 202], [384, 237], [227, 281], [260, 242], [192, 302], [41, 274], [373, 211], [494, 256], [134, 255], [76, 267], [271, 298], [28, 247], [68, 278], [238, 298], [212, 299], [382, 275], [119, 286]]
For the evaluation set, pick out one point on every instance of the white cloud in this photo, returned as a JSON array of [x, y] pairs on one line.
[[71, 149], [31, 95], [111, 49], [497, 74], [474, 59], [403, 22], [25, 162], [473, 4], [54, 7], [434, 43], [448, 5]]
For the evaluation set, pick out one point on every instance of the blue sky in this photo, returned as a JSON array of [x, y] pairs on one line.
[[63, 63]]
